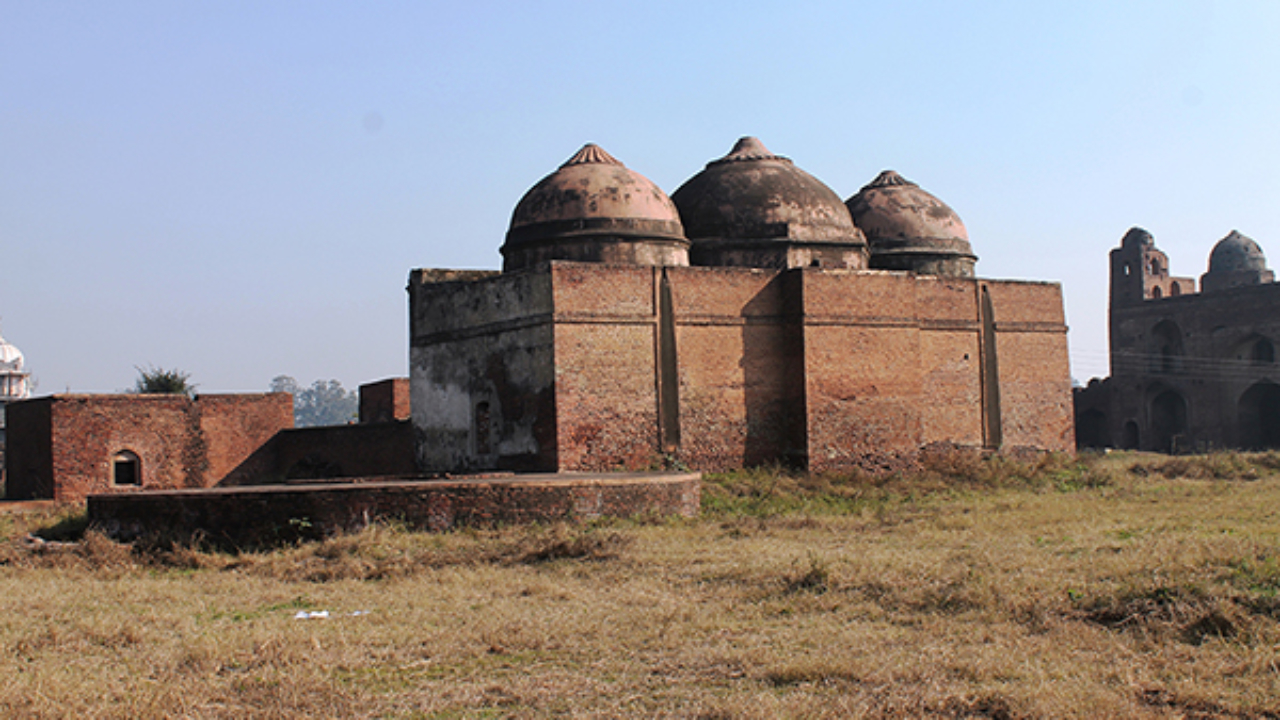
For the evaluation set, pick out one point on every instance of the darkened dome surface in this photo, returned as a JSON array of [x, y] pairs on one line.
[[1234, 262], [593, 208], [908, 228], [754, 208], [1237, 253], [1137, 237]]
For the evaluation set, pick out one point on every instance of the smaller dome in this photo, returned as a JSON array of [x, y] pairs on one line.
[[910, 229], [1237, 253], [756, 209], [594, 209], [1137, 237]]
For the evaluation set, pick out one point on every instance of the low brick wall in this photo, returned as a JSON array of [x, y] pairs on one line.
[[264, 515]]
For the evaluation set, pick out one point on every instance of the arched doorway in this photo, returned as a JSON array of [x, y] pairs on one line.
[[1168, 420], [1091, 430], [1259, 416], [1131, 438]]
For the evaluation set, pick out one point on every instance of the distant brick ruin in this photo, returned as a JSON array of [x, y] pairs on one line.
[[1190, 371]]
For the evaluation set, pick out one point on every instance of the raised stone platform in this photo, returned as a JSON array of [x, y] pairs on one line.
[[268, 514]]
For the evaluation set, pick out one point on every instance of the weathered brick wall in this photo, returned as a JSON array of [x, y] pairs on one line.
[[482, 362], [741, 365], [88, 430], [822, 368], [68, 442], [950, 351], [606, 404], [385, 401], [342, 451], [1035, 372], [862, 361], [29, 449], [235, 431], [272, 514]]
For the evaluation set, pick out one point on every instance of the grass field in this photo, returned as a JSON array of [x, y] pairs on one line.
[[1116, 586]]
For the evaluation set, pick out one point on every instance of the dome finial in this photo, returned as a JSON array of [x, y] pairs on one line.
[[591, 153], [748, 148], [889, 178]]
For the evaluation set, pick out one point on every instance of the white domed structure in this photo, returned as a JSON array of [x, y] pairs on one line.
[[14, 383]]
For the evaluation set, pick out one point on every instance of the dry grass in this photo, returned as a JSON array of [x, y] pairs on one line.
[[1120, 586]]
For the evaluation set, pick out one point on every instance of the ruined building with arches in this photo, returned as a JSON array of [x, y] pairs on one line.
[[1190, 370]]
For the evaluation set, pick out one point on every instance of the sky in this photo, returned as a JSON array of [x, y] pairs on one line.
[[239, 189]]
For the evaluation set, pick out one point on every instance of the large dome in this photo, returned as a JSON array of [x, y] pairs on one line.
[[758, 209], [595, 209], [910, 229], [1235, 261]]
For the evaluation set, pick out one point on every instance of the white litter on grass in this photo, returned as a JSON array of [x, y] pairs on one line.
[[321, 614]]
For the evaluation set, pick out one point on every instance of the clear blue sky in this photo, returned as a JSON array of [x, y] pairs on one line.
[[239, 189]]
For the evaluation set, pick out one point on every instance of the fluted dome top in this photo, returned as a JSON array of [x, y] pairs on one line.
[[753, 195], [1237, 253], [593, 194]]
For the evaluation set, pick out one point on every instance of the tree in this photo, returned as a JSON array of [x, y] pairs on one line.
[[158, 381], [324, 403]]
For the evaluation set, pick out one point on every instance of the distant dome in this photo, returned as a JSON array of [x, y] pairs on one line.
[[1237, 253], [594, 209], [14, 383], [753, 208], [910, 229], [1235, 261], [1137, 236], [10, 356]]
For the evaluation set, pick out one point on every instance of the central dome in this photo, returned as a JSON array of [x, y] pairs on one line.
[[593, 209], [753, 208], [910, 229]]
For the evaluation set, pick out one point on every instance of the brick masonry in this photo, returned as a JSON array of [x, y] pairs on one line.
[[249, 516], [563, 367], [64, 447]]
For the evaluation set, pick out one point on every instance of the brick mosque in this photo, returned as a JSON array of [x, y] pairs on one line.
[[1190, 370], [752, 317]]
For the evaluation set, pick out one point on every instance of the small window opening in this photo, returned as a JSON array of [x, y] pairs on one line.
[[1175, 290], [1127, 270], [1155, 293], [1155, 267], [126, 469]]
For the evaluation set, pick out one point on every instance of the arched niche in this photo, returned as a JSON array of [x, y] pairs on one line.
[[1168, 420], [1259, 416], [1165, 347], [1091, 430]]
